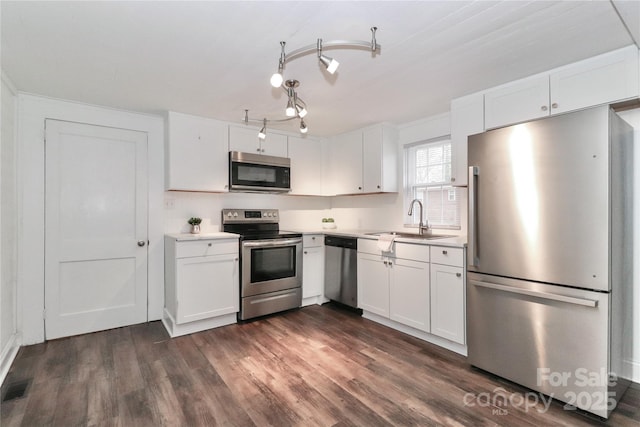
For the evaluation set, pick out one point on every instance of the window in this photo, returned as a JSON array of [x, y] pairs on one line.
[[428, 179]]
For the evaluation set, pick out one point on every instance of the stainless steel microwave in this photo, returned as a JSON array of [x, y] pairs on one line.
[[258, 172]]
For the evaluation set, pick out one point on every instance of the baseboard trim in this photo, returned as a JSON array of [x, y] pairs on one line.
[[632, 370], [8, 355], [441, 342], [177, 330]]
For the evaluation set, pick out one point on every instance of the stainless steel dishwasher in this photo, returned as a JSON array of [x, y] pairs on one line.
[[340, 269]]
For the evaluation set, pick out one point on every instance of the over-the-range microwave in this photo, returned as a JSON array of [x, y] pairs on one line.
[[258, 172]]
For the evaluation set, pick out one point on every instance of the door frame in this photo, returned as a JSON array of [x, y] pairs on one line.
[[32, 113]]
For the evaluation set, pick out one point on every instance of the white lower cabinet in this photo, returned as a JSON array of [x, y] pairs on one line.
[[394, 287], [373, 283], [409, 293], [312, 269], [201, 284], [417, 289], [448, 293]]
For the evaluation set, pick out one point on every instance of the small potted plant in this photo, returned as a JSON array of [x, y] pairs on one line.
[[195, 224], [328, 223]]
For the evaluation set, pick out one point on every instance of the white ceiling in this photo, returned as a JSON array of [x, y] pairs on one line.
[[215, 59]]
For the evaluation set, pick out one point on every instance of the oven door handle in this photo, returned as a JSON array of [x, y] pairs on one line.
[[270, 243]]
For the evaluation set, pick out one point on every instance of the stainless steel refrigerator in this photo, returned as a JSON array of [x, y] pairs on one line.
[[550, 257]]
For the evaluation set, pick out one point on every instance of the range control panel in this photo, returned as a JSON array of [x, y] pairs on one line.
[[249, 215]]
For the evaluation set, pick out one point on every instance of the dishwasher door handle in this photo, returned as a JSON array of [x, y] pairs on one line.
[[538, 294]]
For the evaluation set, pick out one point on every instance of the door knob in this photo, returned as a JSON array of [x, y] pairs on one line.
[[140, 242]]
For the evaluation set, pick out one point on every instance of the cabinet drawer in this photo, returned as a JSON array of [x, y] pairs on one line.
[[206, 248], [312, 240], [447, 256]]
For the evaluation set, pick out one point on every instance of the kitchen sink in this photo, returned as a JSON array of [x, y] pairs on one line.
[[411, 235]]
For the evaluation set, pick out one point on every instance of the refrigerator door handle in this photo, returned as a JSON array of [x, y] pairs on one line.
[[538, 294], [472, 257]]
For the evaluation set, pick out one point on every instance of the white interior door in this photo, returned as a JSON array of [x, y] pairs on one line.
[[95, 228]]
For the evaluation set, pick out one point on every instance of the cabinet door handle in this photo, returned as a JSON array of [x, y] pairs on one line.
[[554, 105], [544, 108]]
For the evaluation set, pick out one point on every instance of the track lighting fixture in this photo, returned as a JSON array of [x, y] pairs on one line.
[[330, 64], [296, 107]]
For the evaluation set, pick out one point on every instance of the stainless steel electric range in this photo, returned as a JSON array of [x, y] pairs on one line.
[[270, 262]]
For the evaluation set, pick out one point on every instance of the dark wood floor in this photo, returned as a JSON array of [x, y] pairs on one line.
[[314, 366]]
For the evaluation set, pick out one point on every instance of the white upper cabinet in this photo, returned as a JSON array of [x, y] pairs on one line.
[[364, 161], [380, 155], [518, 101], [599, 80], [246, 140], [603, 79], [306, 166], [345, 163], [467, 118], [197, 158]]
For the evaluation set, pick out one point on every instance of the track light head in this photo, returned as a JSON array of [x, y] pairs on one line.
[[263, 132], [330, 64], [301, 110], [303, 126]]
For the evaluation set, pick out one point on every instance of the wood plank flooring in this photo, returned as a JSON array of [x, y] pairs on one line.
[[317, 366]]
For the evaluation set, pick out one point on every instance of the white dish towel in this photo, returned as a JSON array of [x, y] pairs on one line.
[[385, 242]]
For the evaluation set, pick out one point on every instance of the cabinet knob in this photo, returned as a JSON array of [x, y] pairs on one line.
[[140, 243], [453, 179], [313, 238], [444, 252], [458, 274], [258, 150], [209, 244], [544, 108], [554, 105], [378, 187], [305, 252], [385, 262], [359, 188], [235, 259]]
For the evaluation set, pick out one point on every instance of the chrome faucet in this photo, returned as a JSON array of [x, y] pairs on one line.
[[422, 227]]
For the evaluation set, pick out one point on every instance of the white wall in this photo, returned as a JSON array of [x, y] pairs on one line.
[[632, 361], [9, 339], [32, 112], [296, 212]]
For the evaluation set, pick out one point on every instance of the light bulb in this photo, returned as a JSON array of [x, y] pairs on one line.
[[303, 127], [262, 134], [276, 80]]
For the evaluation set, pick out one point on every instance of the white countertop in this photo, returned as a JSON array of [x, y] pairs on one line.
[[202, 236], [457, 241]]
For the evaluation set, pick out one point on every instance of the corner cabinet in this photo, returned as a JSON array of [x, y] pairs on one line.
[[364, 161], [246, 140], [448, 302], [201, 284], [197, 153], [603, 79], [312, 269]]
